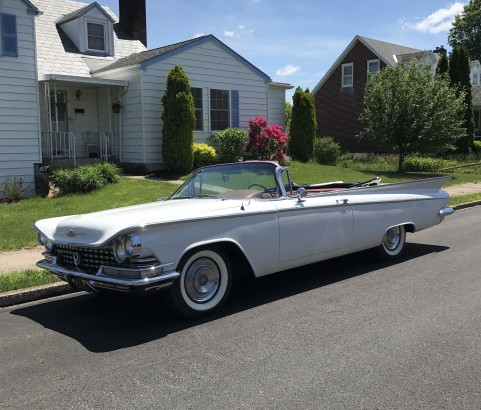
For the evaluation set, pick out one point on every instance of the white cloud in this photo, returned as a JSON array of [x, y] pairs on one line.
[[439, 21], [198, 35], [287, 70], [239, 32]]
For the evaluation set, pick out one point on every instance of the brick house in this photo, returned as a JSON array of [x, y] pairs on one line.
[[340, 93]]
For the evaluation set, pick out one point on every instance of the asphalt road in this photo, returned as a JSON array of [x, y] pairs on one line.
[[347, 333]]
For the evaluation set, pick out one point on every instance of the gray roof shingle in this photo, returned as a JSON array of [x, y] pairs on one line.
[[138, 58]]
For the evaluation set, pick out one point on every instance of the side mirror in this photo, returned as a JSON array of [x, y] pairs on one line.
[[301, 194]]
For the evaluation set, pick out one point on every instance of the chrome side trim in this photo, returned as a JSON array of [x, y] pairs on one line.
[[446, 211], [156, 275]]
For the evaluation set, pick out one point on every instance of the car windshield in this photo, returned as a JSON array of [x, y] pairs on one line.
[[235, 181]]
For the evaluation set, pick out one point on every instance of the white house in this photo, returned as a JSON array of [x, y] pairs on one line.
[[100, 87], [19, 114]]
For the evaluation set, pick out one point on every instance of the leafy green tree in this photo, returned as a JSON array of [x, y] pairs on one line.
[[459, 73], [406, 110], [466, 30], [303, 125], [179, 122]]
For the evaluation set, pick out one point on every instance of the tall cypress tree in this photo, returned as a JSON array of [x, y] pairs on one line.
[[303, 125], [459, 73], [179, 122], [443, 65]]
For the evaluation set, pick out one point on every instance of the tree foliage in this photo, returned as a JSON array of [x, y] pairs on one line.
[[288, 116], [459, 73], [408, 111], [179, 121], [466, 30], [303, 125], [443, 65]]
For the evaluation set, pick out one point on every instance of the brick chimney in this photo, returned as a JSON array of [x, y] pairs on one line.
[[132, 19]]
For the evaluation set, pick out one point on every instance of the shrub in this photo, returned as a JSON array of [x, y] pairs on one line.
[[203, 155], [108, 171], [229, 144], [14, 188], [266, 142], [477, 147], [303, 125], [423, 164], [326, 151], [84, 179]]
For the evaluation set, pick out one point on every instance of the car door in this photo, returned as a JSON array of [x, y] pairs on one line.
[[318, 224]]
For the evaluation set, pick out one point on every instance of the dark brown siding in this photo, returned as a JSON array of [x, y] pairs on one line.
[[338, 109]]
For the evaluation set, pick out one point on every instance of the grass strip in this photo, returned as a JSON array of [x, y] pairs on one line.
[[25, 279]]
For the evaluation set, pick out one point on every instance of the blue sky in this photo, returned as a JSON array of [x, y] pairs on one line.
[[297, 41]]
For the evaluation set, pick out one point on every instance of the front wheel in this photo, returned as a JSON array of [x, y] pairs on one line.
[[204, 283], [392, 243]]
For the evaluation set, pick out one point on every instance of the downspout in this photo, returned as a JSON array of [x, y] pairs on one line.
[[39, 124]]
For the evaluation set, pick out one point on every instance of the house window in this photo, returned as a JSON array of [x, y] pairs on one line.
[[8, 29], [475, 80], [95, 36], [347, 75], [199, 123], [373, 67], [219, 110]]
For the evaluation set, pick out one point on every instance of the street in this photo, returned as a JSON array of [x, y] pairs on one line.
[[351, 332]]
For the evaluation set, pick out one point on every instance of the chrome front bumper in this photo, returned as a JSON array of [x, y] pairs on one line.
[[156, 278], [446, 211]]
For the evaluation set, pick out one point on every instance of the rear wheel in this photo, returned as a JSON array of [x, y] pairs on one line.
[[204, 283], [392, 243]]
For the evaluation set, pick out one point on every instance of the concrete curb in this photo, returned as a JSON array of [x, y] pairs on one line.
[[17, 297]]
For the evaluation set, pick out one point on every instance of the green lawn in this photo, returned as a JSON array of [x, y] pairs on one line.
[[25, 279], [16, 220]]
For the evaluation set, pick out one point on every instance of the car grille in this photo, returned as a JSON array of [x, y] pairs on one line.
[[87, 260]]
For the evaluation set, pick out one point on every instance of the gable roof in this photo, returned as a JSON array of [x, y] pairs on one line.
[[146, 58], [82, 11], [31, 9], [389, 53], [56, 53]]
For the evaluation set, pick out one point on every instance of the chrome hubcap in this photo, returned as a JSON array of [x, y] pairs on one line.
[[392, 238], [202, 280]]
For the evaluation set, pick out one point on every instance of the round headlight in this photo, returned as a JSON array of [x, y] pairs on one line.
[[120, 253], [132, 245]]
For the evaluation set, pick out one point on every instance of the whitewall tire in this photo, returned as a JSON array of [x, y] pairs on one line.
[[204, 283], [393, 242]]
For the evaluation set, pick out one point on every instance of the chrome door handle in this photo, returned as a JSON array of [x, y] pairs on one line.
[[343, 201]]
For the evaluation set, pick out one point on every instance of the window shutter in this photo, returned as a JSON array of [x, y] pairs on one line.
[[235, 108], [9, 35]]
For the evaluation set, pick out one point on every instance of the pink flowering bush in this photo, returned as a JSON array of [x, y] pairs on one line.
[[266, 142]]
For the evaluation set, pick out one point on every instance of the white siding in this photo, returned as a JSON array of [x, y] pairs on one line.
[[19, 122], [277, 114]]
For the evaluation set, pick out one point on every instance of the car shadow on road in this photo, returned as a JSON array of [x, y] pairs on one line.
[[103, 323]]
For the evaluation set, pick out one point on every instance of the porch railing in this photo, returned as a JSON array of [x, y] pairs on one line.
[[108, 146], [58, 145]]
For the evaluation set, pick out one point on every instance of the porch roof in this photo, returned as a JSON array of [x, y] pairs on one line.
[[81, 80]]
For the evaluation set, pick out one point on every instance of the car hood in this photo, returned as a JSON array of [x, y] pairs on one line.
[[99, 227]]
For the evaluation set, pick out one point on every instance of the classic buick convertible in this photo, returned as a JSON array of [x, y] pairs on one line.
[[231, 219]]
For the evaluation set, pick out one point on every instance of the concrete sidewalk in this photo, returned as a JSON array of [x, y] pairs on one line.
[[18, 260]]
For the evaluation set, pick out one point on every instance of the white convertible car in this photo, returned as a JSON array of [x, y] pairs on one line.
[[231, 219]]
